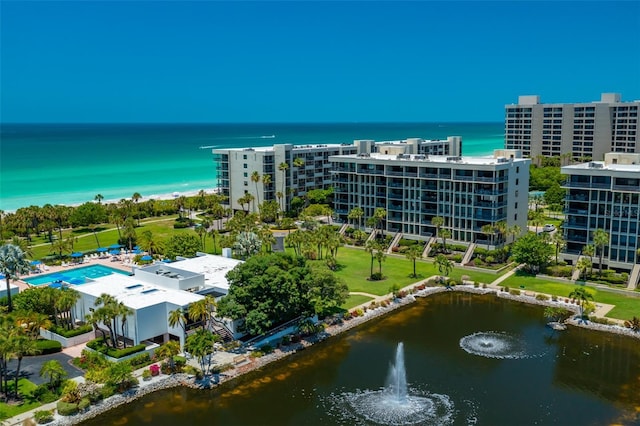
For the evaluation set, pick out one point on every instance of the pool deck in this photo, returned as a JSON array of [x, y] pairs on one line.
[[121, 265]]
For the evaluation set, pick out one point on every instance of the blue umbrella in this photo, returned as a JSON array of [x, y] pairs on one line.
[[137, 251], [146, 257], [35, 262], [76, 254], [76, 281], [115, 246], [102, 249], [166, 260], [2, 277], [114, 252]]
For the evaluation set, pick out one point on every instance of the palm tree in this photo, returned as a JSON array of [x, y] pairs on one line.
[[600, 240], [135, 198], [298, 162], [255, 178], [412, 254], [266, 182], [444, 234], [558, 241], [23, 345], [583, 265], [54, 371], [66, 300], [536, 219], [356, 213], [200, 344], [514, 231], [168, 351], [488, 231], [149, 243], [437, 221], [99, 198], [124, 312], [370, 247], [94, 319], [283, 167], [583, 296], [178, 317], [120, 375], [12, 262], [444, 265], [590, 251], [199, 311], [108, 312]]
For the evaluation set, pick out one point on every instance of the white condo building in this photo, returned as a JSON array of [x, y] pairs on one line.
[[580, 129], [307, 166], [468, 192], [604, 195]]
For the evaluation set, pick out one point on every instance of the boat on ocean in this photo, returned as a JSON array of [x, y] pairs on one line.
[[268, 137]]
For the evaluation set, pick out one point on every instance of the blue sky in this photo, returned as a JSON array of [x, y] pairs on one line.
[[309, 61]]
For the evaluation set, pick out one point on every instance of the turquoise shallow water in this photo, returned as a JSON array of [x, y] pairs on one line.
[[71, 163]]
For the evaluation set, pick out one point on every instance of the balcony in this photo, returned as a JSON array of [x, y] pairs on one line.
[[587, 185], [630, 188]]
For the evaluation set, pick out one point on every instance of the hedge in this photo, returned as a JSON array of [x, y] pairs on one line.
[[48, 346], [67, 408], [71, 333], [43, 416], [100, 346]]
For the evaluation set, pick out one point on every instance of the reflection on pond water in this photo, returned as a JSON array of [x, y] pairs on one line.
[[574, 377]]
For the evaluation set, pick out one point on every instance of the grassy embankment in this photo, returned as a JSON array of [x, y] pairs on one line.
[[625, 306]]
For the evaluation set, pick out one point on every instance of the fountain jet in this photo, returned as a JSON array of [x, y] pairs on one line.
[[397, 378]]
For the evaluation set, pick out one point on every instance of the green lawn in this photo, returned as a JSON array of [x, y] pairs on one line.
[[25, 388], [162, 228], [355, 300], [355, 268], [626, 306]]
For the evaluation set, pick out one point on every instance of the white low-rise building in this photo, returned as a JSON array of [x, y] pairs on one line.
[[149, 303], [203, 274]]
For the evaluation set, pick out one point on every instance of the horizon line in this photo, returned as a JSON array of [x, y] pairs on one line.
[[249, 122]]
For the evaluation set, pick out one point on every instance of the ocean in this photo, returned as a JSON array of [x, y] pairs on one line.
[[71, 163]]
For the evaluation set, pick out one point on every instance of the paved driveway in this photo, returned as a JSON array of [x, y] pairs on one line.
[[30, 367]]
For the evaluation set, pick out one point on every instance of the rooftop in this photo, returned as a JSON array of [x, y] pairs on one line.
[[214, 268], [135, 293], [601, 165], [442, 159]]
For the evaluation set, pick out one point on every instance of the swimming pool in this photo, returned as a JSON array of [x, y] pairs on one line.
[[75, 276]]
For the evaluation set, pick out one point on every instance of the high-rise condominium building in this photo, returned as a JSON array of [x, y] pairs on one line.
[[467, 192], [294, 170], [582, 130], [604, 195]]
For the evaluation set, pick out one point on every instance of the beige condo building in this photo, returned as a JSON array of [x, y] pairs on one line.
[[582, 130]]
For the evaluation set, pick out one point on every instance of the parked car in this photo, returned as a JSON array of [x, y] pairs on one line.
[[549, 228]]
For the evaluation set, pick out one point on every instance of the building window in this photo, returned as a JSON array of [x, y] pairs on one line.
[[515, 216], [245, 183], [518, 169], [516, 205], [517, 192], [517, 181], [244, 165], [244, 157], [245, 174]]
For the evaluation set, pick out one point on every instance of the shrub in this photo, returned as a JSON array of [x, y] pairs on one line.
[[457, 258], [48, 346], [484, 285], [99, 345], [542, 297], [554, 298], [377, 276], [61, 331], [146, 375], [43, 416], [490, 259], [476, 284], [191, 370], [514, 292], [140, 360], [154, 369], [67, 408], [603, 321], [108, 390], [478, 262], [84, 404]]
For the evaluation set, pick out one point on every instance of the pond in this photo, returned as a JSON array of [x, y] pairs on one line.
[[468, 359]]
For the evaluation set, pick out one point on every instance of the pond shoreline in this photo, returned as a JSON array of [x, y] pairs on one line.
[[167, 382]]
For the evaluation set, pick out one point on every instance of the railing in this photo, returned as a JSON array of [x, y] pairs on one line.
[[634, 188]]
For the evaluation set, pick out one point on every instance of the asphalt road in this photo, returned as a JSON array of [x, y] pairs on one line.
[[30, 367]]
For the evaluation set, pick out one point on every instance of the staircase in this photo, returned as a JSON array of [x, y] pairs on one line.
[[425, 252], [394, 242], [343, 228], [221, 329], [371, 236], [634, 277], [468, 254]]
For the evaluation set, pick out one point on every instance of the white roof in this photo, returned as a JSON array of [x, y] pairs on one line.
[[411, 160], [135, 293], [214, 268], [601, 165]]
